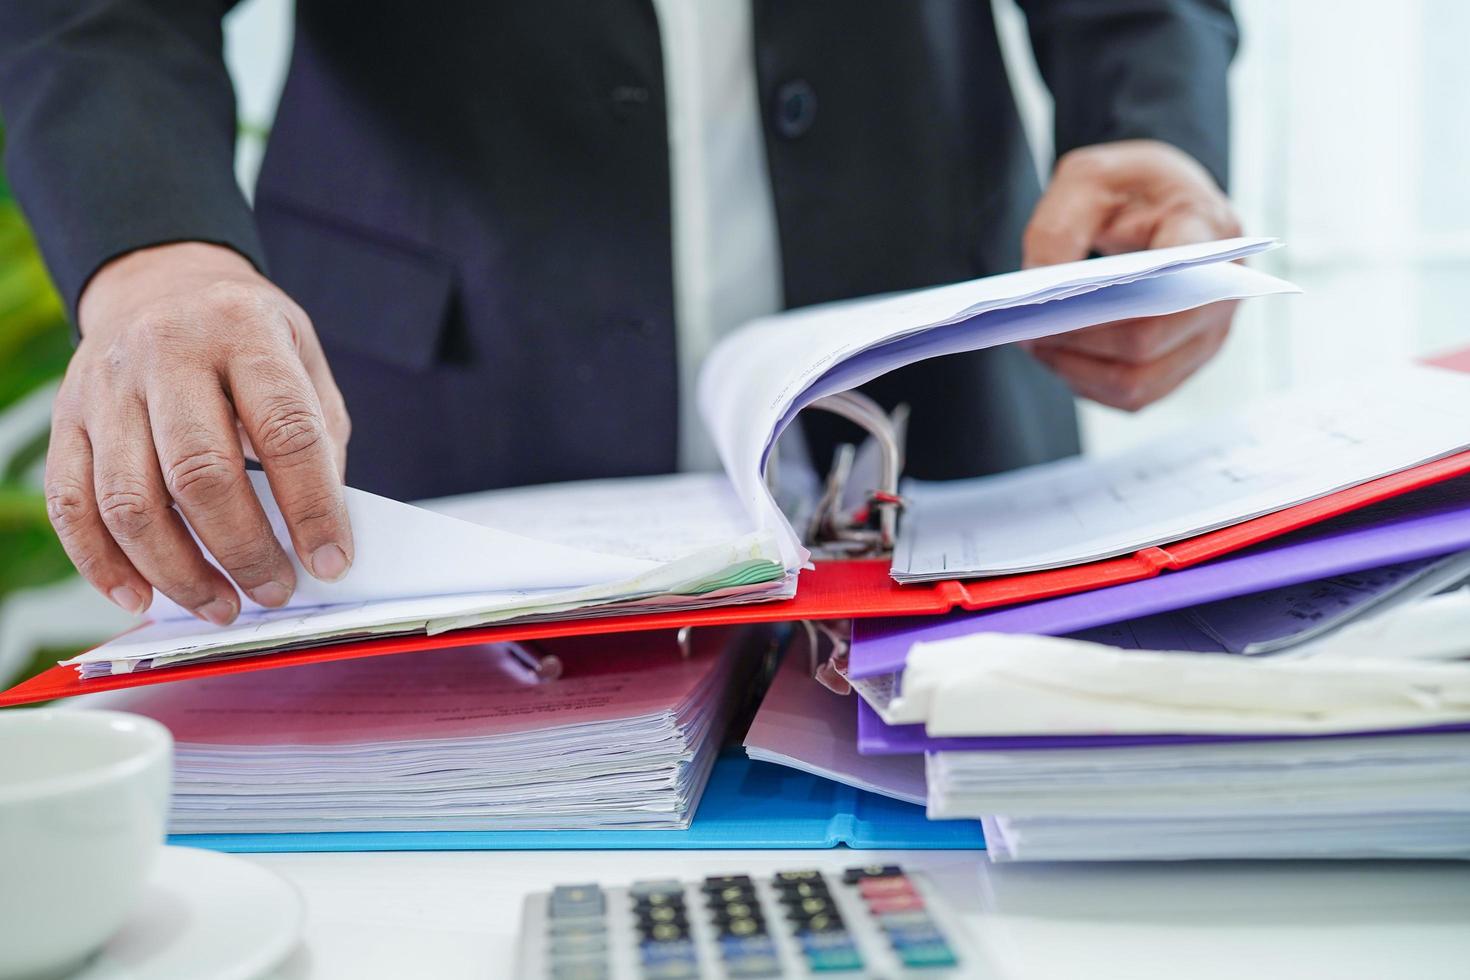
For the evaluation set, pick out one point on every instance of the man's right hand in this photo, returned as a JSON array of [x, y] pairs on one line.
[[189, 361]]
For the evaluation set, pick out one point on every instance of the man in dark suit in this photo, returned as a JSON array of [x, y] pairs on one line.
[[462, 234]]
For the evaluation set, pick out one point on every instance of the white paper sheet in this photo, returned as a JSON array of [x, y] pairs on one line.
[[407, 552], [1003, 684], [1298, 446]]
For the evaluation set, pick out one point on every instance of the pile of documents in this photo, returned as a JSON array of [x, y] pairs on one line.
[[1354, 744], [676, 543], [466, 739], [1403, 796]]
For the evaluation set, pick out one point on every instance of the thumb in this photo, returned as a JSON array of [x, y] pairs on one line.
[[1183, 227], [1068, 219]]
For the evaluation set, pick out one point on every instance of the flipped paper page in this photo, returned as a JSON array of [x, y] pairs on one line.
[[759, 377], [1298, 446]]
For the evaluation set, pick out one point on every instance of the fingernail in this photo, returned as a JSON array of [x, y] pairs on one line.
[[217, 611], [271, 594], [329, 563], [127, 599]]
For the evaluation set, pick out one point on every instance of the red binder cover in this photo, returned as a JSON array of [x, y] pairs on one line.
[[833, 590]]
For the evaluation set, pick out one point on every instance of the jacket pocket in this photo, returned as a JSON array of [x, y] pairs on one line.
[[366, 294]]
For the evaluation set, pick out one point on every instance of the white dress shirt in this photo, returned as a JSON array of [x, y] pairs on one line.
[[727, 260]]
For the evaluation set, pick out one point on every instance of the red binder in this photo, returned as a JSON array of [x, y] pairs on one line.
[[833, 590]]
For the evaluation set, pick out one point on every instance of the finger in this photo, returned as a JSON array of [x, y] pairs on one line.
[[1187, 226], [137, 512], [1140, 340], [334, 406], [204, 472], [275, 400], [1077, 205], [1131, 387], [71, 504]]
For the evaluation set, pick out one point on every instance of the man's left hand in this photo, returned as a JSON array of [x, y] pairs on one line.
[[1123, 197]]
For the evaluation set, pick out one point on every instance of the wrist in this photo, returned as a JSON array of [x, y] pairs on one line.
[[132, 280]]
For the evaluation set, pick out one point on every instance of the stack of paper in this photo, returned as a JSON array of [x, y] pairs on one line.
[[683, 542], [1344, 753], [461, 739], [1406, 796]]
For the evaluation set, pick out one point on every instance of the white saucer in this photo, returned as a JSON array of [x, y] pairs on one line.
[[203, 916]]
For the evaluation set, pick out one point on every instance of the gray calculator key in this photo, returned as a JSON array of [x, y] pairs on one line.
[[573, 901], [664, 886], [753, 966], [560, 947], [581, 926], [580, 970], [671, 970]]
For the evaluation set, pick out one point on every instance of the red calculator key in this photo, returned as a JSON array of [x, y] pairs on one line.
[[884, 904], [872, 887]]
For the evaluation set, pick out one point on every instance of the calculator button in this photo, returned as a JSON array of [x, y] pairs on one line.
[[825, 940], [678, 949], [802, 889], [740, 928], [819, 923], [805, 908], [573, 901], [753, 966], [660, 913], [839, 959], [576, 927], [658, 899], [565, 946], [737, 909], [731, 893], [793, 876], [715, 883], [928, 955], [871, 887], [583, 970], [664, 932], [917, 936], [662, 887], [738, 946], [903, 920], [886, 904], [853, 875], [670, 970]]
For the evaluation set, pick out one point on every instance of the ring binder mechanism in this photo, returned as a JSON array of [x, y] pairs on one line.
[[836, 532], [829, 671]]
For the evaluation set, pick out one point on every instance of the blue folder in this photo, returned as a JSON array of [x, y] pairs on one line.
[[747, 805]]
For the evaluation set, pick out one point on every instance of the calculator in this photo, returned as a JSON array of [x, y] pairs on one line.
[[868, 922]]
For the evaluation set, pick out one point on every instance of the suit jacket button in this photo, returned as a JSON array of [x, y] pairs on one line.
[[795, 109]]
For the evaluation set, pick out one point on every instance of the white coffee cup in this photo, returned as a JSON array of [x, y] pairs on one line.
[[83, 800]]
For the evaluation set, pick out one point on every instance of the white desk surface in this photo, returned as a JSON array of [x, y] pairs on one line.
[[450, 915]]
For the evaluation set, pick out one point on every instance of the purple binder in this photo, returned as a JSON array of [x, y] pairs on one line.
[[1425, 524]]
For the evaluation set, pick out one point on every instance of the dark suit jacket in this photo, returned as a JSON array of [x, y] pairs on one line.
[[471, 198]]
